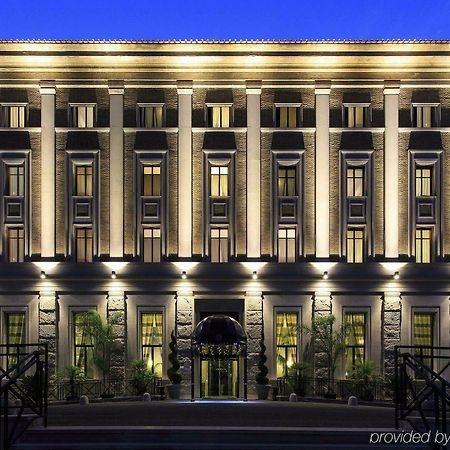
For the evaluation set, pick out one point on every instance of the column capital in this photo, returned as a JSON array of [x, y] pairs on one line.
[[49, 293], [116, 294], [184, 87], [391, 87], [47, 87], [323, 87], [258, 294], [116, 87], [392, 294], [322, 294], [184, 293], [253, 87]]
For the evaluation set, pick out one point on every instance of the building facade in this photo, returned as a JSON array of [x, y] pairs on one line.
[[273, 182]]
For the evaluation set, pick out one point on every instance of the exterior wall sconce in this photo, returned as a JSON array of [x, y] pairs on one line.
[[183, 275], [43, 275], [113, 275], [396, 275], [255, 275], [325, 275]]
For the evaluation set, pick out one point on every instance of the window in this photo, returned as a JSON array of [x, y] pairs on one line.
[[14, 335], [424, 181], [152, 341], [423, 335], [219, 245], [16, 244], [425, 116], [287, 177], [83, 180], [286, 341], [13, 116], [355, 181], [287, 116], [84, 244], [219, 181], [15, 180], [151, 179], [151, 116], [219, 116], [82, 116], [355, 245], [355, 340], [152, 245], [83, 350], [286, 245], [356, 116], [423, 245]]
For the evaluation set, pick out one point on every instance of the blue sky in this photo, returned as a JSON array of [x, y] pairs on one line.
[[224, 19]]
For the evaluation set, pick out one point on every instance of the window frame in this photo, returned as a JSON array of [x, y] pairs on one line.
[[78, 227], [22, 256], [221, 105], [81, 104], [72, 341], [421, 167], [432, 105], [147, 105], [354, 167], [286, 229], [367, 333], [219, 239], [15, 104], [299, 114], [434, 311], [367, 122], [432, 246], [152, 238], [364, 251], [4, 310]]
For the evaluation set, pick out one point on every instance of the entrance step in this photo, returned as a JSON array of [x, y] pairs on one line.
[[203, 438]]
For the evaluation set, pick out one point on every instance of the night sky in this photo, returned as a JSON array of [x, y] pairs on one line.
[[225, 19]]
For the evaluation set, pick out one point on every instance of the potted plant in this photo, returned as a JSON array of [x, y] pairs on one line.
[[175, 378], [140, 377], [297, 378], [363, 374], [75, 376], [330, 344], [262, 382]]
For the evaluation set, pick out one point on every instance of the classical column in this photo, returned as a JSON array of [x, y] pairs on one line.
[[253, 92], [117, 307], [184, 328], [116, 171], [391, 203], [254, 329], [392, 325], [48, 327], [185, 169], [322, 307], [322, 170], [48, 169]]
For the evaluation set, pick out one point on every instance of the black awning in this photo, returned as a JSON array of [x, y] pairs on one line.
[[287, 141], [425, 140], [151, 140], [219, 140], [356, 140], [15, 140]]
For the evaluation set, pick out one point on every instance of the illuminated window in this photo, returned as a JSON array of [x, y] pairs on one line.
[[286, 245], [286, 341], [355, 245], [219, 245], [83, 180], [287, 116], [151, 327], [151, 179], [425, 116], [423, 245], [355, 181], [15, 180], [84, 244], [355, 340], [356, 116], [13, 116], [287, 186], [151, 116], [83, 346], [151, 245], [16, 244], [423, 335], [219, 181], [14, 334], [424, 181], [82, 116], [219, 116]]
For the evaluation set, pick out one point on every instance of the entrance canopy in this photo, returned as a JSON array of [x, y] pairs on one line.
[[219, 337]]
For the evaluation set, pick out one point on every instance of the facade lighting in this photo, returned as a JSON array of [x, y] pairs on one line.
[[325, 275], [113, 275], [183, 275], [396, 275], [254, 275], [43, 275]]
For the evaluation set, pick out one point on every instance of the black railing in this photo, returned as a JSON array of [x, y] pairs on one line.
[[95, 389], [422, 393], [23, 389]]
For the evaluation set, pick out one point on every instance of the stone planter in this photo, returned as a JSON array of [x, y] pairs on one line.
[[262, 391], [174, 391]]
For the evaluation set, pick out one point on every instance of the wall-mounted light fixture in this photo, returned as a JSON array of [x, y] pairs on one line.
[[113, 275], [325, 275], [396, 275], [43, 275], [255, 275], [183, 275]]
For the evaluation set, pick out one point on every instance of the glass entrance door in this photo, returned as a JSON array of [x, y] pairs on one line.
[[220, 378]]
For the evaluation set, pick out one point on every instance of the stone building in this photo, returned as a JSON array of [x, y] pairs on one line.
[[272, 182]]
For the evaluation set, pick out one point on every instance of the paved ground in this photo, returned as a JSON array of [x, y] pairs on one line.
[[269, 414]]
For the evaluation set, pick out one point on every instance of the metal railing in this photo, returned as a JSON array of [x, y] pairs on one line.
[[94, 389], [422, 394], [23, 389]]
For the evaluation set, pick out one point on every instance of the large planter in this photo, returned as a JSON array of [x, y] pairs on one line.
[[262, 391], [174, 391]]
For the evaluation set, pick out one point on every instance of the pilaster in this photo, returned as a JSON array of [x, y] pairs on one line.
[[392, 326], [184, 328], [48, 327], [117, 306], [322, 307], [254, 329]]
